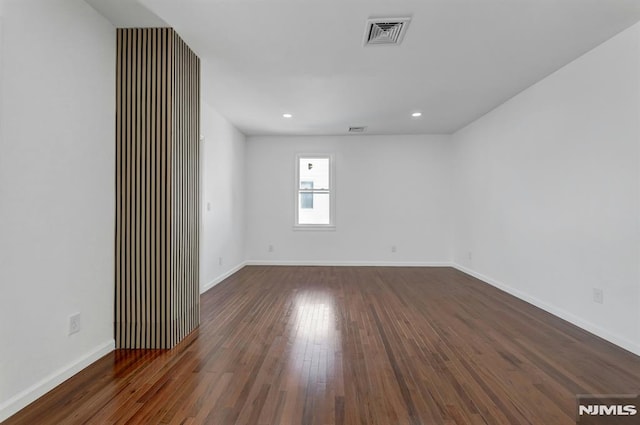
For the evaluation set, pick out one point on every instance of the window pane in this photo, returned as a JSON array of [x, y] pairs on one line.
[[314, 171], [318, 213], [306, 198]]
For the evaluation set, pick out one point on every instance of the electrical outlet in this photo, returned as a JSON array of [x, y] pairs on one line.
[[74, 323], [208, 206], [219, 261], [270, 248], [394, 248], [470, 255], [598, 296]]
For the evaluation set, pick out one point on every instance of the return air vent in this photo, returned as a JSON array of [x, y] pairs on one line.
[[357, 129], [385, 30]]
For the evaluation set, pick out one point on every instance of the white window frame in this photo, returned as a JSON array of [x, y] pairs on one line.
[[332, 192]]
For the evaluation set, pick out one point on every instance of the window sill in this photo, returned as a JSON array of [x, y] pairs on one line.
[[314, 227]]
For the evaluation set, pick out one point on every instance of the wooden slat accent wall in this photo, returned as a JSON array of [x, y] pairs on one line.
[[157, 188], [185, 182]]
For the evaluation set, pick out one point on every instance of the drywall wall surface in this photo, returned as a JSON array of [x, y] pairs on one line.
[[222, 230], [547, 192], [57, 194], [391, 201]]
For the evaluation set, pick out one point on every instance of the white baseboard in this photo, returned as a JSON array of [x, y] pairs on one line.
[[222, 277], [31, 394], [556, 311], [347, 263]]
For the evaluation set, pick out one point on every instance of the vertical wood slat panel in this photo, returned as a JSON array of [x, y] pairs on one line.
[[136, 188], [128, 286], [148, 160], [175, 231], [157, 189], [153, 175], [186, 212], [163, 191], [170, 195], [118, 170]]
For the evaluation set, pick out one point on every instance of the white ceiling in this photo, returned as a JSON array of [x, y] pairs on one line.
[[459, 59]]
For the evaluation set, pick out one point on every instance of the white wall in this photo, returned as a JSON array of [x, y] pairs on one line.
[[390, 190], [56, 194], [222, 232], [548, 189]]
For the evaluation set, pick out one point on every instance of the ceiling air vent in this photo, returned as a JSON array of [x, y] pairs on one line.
[[357, 129], [385, 30]]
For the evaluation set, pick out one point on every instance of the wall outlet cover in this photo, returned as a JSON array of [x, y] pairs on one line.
[[598, 296], [74, 323]]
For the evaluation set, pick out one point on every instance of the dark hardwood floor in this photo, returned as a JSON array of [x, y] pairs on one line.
[[347, 345]]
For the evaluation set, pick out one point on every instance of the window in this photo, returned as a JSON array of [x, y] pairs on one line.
[[314, 192]]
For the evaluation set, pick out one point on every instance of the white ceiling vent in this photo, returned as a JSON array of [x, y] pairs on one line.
[[357, 129], [385, 30]]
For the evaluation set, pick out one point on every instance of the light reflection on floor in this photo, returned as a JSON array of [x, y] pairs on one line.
[[314, 340]]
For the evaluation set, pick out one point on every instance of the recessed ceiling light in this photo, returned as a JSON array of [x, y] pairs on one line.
[[287, 115], [416, 114]]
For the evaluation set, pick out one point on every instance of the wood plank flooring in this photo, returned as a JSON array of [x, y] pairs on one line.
[[347, 345]]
